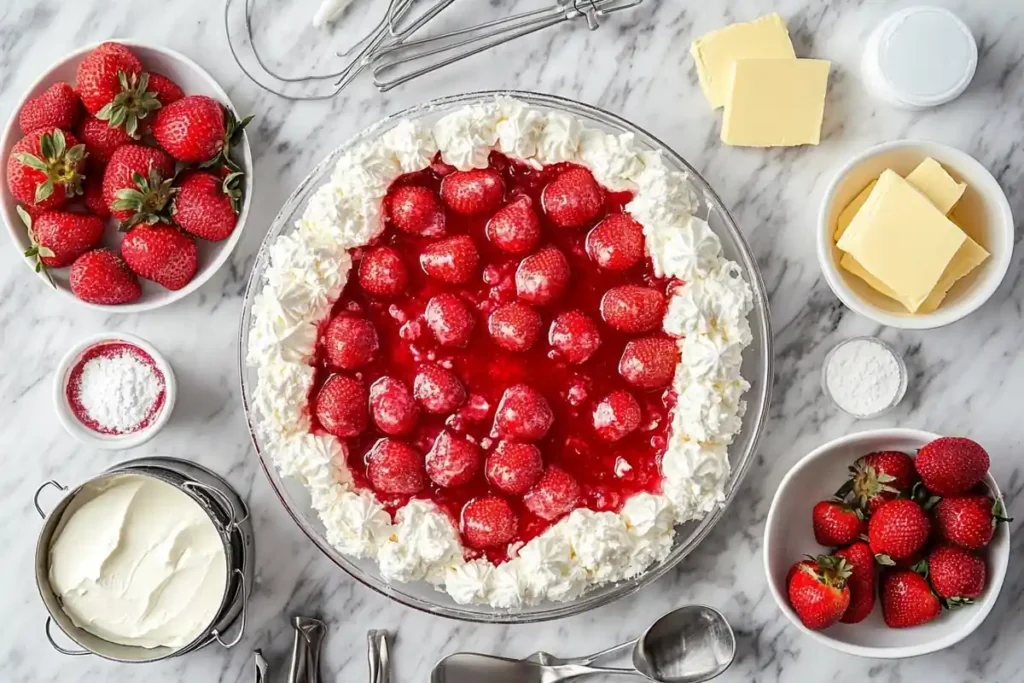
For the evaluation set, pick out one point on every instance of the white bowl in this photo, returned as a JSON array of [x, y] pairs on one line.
[[984, 213], [112, 442], [194, 80], [788, 537]]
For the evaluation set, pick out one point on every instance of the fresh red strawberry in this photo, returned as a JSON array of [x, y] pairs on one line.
[[450, 319], [488, 522], [137, 185], [162, 254], [956, 575], [617, 243], [395, 468], [818, 590], [56, 107], [45, 168], [968, 521], [523, 413], [877, 478], [104, 74], [392, 406], [907, 600], [101, 277], [452, 260], [58, 238], [382, 272], [514, 327], [415, 210], [350, 342], [92, 194], [575, 336], [207, 206], [438, 390], [835, 524], [341, 406], [101, 139], [452, 460], [649, 363], [542, 277], [617, 415], [515, 229], [897, 530], [952, 465], [193, 130], [555, 494], [473, 193], [514, 467], [633, 308], [165, 90], [861, 582], [573, 199]]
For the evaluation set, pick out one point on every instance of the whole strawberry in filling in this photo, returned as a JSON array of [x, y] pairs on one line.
[[498, 350]]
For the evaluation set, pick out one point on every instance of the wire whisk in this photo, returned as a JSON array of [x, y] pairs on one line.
[[395, 58]]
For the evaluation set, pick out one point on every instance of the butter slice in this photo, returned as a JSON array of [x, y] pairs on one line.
[[715, 52], [848, 214], [967, 258], [901, 239], [776, 102], [936, 184]]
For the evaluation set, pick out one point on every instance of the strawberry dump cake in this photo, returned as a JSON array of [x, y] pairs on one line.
[[502, 354]]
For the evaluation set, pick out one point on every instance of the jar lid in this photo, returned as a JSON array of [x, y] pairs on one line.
[[921, 57]]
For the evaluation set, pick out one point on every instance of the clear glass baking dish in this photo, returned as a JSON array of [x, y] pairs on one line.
[[757, 369]]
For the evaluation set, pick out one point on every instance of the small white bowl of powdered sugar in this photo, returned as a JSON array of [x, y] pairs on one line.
[[864, 377], [114, 391]]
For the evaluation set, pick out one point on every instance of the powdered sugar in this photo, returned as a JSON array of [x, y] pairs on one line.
[[116, 389], [864, 377]]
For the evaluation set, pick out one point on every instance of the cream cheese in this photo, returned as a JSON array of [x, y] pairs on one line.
[[135, 561]]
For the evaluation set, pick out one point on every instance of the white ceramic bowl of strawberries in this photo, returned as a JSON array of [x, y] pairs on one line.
[[197, 220], [940, 528]]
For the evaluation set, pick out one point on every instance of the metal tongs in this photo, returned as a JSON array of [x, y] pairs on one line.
[[388, 61]]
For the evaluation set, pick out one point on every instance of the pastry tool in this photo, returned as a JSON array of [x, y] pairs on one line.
[[379, 656], [305, 665], [688, 645]]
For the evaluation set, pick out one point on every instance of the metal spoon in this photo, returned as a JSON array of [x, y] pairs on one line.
[[688, 645]]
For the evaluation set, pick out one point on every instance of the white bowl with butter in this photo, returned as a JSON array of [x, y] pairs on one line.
[[982, 213]]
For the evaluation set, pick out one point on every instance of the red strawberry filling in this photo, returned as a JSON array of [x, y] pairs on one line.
[[516, 369]]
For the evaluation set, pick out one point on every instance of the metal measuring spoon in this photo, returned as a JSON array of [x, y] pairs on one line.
[[688, 645]]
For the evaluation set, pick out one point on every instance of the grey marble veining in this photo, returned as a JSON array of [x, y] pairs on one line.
[[966, 378]]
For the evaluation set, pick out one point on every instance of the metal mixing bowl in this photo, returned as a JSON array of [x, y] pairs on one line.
[[757, 369]]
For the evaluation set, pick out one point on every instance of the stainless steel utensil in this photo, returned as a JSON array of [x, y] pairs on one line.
[[379, 656], [688, 645], [401, 57], [309, 634]]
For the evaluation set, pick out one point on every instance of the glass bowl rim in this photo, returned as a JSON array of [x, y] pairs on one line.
[[761, 311]]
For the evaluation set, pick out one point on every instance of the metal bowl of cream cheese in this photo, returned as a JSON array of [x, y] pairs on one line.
[[149, 560]]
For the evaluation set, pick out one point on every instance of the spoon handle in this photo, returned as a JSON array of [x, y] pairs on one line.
[[565, 672], [603, 654]]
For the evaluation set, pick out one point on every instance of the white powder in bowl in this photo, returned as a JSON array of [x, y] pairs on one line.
[[863, 376]]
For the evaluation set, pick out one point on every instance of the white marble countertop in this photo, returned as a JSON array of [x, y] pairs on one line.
[[966, 378]]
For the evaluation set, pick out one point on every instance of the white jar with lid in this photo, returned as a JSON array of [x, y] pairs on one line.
[[920, 57]]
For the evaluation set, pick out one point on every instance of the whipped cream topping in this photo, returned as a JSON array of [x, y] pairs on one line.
[[707, 313], [135, 561]]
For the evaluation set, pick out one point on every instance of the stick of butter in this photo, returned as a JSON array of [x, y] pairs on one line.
[[902, 239], [930, 178], [776, 102], [715, 52]]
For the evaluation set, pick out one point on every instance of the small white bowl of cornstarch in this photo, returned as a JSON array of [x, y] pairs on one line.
[[114, 391], [864, 377]]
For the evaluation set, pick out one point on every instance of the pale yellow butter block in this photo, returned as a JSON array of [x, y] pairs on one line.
[[967, 258], [715, 52], [936, 184], [776, 102], [902, 239], [851, 265], [847, 215]]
